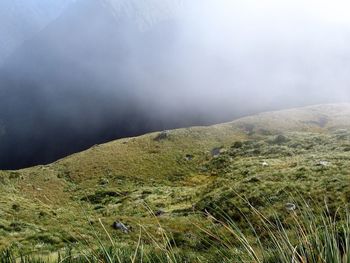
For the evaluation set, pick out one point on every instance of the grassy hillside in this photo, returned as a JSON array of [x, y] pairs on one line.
[[266, 160]]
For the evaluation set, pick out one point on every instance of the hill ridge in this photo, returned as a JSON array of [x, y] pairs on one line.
[[320, 109], [324, 108], [179, 174]]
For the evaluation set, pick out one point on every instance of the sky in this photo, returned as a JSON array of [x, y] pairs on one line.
[[106, 69]]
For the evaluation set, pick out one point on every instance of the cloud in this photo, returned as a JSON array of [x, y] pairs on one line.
[[267, 49], [100, 72]]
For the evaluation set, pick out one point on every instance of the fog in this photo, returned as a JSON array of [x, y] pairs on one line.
[[277, 52], [254, 55], [110, 69], [20, 19]]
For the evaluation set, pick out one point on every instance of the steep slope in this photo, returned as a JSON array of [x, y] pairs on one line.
[[179, 174], [145, 13], [20, 20]]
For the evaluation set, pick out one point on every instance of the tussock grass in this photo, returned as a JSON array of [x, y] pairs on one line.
[[305, 237]]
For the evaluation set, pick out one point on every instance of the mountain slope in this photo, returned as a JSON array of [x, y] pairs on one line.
[[20, 20], [144, 13], [180, 173]]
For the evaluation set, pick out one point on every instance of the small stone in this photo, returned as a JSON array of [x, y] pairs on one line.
[[104, 181], [189, 157], [16, 207], [120, 226], [265, 164], [216, 152], [290, 207], [162, 136], [159, 213], [323, 163]]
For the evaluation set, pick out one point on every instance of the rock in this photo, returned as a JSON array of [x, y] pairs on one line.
[[265, 164], [323, 163], [104, 181], [189, 157], [120, 226], [162, 136], [42, 214], [159, 213], [290, 207], [16, 207], [216, 152]]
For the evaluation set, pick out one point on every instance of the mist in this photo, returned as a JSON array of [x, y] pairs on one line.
[[282, 53], [109, 69]]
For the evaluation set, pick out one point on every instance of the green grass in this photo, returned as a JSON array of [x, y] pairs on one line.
[[262, 160], [302, 236], [305, 236]]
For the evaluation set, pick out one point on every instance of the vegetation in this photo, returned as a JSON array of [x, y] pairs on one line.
[[252, 190], [303, 237]]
